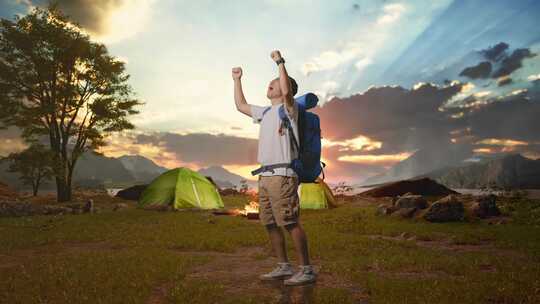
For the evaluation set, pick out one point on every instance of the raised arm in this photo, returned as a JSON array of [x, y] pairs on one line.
[[239, 98], [284, 81]]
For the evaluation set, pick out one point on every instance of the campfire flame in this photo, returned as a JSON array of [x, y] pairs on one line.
[[252, 207], [250, 210]]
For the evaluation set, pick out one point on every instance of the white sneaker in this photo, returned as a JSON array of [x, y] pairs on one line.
[[281, 271], [306, 275]]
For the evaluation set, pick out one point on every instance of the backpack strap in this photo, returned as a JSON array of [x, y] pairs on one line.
[[264, 112], [322, 169], [286, 123]]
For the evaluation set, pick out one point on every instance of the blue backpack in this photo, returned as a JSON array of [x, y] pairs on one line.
[[308, 165]]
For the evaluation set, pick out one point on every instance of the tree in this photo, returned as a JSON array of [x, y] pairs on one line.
[[34, 165], [56, 83]]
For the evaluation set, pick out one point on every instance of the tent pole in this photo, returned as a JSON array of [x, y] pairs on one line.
[[195, 191]]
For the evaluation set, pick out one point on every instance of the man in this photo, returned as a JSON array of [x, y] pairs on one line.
[[278, 195]]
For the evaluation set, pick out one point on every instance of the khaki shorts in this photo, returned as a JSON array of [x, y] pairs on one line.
[[278, 200]]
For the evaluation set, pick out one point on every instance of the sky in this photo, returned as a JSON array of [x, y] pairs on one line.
[[393, 77]]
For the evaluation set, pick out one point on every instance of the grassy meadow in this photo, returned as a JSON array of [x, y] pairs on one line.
[[139, 256]]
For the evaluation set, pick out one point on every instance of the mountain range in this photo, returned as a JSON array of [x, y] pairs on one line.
[[422, 162], [507, 171], [94, 170], [224, 178], [512, 171]]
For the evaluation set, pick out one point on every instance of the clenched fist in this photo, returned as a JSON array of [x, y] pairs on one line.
[[276, 55], [237, 73]]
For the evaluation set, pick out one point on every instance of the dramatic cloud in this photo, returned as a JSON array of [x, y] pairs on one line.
[[500, 61], [481, 70], [505, 80], [202, 148], [512, 118], [108, 20], [385, 125], [403, 120], [495, 53], [513, 62]]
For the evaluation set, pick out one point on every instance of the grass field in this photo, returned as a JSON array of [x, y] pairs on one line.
[[138, 256]]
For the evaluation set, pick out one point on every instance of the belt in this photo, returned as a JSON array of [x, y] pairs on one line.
[[270, 168]]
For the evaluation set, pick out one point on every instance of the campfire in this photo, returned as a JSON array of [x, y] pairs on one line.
[[251, 211]]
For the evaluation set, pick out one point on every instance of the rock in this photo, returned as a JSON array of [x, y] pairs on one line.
[[9, 209], [383, 209], [89, 206], [447, 209], [17, 209], [405, 212], [485, 206], [412, 201], [51, 209], [120, 206], [405, 235]]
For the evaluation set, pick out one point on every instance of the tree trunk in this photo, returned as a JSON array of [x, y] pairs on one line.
[[35, 186], [63, 193], [63, 184]]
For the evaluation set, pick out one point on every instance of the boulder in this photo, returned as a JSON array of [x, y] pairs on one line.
[[383, 209], [89, 206], [411, 201], [447, 209], [485, 206], [405, 212], [17, 209]]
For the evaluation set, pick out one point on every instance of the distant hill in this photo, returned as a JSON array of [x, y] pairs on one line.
[[142, 168], [94, 170], [98, 168], [512, 171], [422, 162], [421, 186], [224, 178]]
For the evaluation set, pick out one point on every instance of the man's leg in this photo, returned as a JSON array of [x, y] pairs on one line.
[[278, 242], [275, 233], [289, 210], [300, 242]]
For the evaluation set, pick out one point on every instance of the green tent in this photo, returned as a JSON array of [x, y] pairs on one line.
[[181, 188], [316, 195]]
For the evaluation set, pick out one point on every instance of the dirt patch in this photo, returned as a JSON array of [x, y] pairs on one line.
[[238, 273], [159, 294]]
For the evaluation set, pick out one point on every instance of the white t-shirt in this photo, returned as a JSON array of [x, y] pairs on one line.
[[273, 147]]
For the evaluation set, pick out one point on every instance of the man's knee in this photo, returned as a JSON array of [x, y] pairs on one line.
[[292, 226]]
